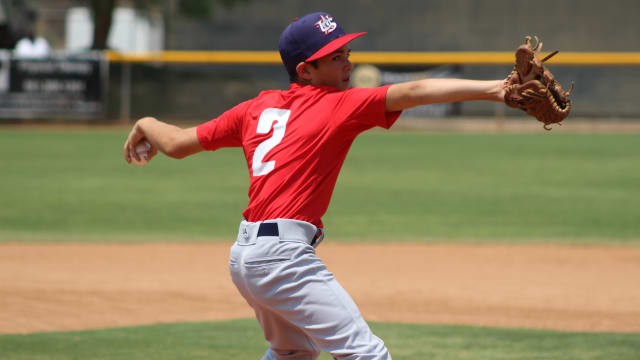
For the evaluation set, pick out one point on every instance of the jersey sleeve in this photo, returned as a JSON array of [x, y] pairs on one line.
[[223, 131], [366, 107]]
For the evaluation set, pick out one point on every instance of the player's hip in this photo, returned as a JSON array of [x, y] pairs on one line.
[[274, 250], [283, 230], [266, 244]]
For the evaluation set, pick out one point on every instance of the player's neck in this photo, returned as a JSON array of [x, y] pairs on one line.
[[309, 83]]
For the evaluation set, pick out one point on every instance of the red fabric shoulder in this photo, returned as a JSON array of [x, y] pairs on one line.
[[223, 131], [366, 106]]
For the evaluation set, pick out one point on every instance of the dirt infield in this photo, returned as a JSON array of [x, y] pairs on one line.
[[72, 287]]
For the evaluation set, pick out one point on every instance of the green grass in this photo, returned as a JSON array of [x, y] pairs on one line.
[[242, 340], [546, 187], [518, 187]]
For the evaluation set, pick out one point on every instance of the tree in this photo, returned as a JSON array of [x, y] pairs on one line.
[[101, 14], [102, 11]]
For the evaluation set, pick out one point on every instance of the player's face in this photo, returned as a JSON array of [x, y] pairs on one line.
[[333, 69]]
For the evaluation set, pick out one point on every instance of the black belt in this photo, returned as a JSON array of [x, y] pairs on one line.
[[271, 229], [268, 229]]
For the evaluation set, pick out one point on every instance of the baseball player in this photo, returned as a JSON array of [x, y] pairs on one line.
[[295, 142]]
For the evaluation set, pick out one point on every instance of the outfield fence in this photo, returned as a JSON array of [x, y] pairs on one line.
[[196, 85], [609, 73], [379, 58]]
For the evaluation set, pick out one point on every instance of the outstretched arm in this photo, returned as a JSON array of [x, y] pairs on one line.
[[428, 91], [169, 139]]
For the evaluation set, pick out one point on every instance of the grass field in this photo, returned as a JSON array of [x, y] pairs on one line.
[[242, 340], [395, 186], [419, 187]]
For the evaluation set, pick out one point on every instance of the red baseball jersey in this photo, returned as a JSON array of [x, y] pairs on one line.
[[295, 142]]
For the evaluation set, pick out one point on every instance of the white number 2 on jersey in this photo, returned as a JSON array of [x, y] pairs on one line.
[[264, 126]]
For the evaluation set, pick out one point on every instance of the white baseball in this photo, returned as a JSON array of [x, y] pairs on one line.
[[143, 149]]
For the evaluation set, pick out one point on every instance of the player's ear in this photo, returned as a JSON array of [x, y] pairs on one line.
[[303, 71]]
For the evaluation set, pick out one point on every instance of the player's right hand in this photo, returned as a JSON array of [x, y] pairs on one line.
[[135, 136]]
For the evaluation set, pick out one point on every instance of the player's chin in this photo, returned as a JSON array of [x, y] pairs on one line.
[[344, 84]]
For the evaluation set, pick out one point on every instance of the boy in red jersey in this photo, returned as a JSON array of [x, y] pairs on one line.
[[295, 142]]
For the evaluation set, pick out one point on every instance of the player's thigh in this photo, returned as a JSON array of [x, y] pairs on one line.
[[286, 341], [305, 294]]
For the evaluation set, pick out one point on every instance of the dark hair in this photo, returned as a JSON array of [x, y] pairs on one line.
[[294, 77]]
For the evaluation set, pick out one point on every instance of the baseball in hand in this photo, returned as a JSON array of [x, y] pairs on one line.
[[143, 149]]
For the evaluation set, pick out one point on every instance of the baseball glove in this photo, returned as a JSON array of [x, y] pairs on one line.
[[532, 88]]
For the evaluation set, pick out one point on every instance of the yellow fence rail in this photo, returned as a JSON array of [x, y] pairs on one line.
[[379, 58], [358, 57]]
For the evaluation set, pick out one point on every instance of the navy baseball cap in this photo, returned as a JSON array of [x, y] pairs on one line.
[[310, 38]]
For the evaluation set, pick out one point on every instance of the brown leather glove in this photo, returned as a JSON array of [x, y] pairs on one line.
[[532, 88]]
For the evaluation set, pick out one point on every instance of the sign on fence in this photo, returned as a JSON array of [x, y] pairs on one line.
[[60, 86]]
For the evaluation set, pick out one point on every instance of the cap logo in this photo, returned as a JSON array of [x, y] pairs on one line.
[[326, 24]]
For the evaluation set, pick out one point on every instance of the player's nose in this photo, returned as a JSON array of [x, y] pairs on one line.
[[348, 65]]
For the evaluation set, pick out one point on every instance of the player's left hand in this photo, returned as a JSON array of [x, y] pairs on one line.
[[532, 88]]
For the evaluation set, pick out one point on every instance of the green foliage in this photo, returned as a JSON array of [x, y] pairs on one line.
[[199, 9], [145, 4], [103, 12], [394, 187], [202, 9], [243, 339]]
